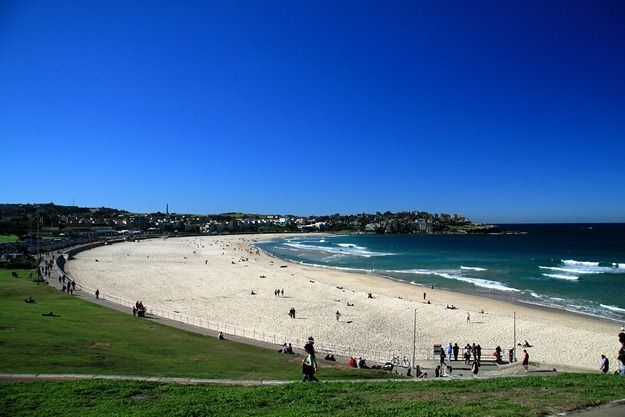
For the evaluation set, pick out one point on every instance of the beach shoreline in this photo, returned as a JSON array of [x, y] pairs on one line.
[[489, 296], [383, 323]]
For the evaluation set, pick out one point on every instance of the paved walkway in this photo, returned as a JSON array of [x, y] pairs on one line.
[[613, 409], [168, 380]]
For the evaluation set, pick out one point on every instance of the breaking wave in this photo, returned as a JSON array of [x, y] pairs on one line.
[[613, 308], [562, 276], [573, 269], [578, 263], [346, 249], [473, 268], [595, 267], [484, 283]]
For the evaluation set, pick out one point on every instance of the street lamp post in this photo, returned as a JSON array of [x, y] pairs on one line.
[[514, 334], [414, 341]]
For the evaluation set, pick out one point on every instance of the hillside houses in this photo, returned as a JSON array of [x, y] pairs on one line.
[[49, 220]]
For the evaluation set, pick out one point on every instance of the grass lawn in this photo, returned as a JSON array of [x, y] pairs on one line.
[[8, 238], [527, 396], [90, 339]]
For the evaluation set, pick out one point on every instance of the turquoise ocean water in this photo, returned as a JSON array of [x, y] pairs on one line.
[[572, 266]]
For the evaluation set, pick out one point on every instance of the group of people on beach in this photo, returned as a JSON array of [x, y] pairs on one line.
[[138, 309], [470, 351], [286, 348], [358, 362], [278, 292]]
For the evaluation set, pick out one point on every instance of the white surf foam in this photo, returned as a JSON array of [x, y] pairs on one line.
[[580, 263], [350, 245], [569, 270], [473, 268], [484, 283], [352, 250], [562, 276], [613, 308], [584, 267]]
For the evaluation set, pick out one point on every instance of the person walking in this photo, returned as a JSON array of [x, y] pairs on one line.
[[309, 365], [442, 358], [338, 315], [97, 294], [621, 353]]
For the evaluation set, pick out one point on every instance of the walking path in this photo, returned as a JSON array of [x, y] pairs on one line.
[[168, 380]]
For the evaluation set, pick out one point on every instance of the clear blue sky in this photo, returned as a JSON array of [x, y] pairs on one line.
[[500, 111]]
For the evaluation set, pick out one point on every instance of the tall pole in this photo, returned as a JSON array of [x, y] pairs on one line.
[[514, 334], [38, 234], [414, 340]]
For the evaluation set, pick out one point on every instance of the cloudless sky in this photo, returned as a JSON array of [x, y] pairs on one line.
[[497, 110]]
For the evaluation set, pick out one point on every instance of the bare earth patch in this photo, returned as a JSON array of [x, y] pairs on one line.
[[99, 345]]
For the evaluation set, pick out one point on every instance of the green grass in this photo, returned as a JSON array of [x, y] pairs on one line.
[[8, 238], [90, 339], [527, 396]]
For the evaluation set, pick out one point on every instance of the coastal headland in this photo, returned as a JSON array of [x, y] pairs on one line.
[[225, 280]]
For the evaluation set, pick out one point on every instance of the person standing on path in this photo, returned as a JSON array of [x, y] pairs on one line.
[[97, 294], [475, 368], [450, 350], [526, 360], [456, 349]]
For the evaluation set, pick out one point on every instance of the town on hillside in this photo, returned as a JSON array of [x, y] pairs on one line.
[[40, 227]]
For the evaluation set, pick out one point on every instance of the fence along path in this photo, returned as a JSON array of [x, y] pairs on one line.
[[277, 339]]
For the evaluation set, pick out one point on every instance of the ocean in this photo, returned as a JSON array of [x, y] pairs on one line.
[[577, 267]]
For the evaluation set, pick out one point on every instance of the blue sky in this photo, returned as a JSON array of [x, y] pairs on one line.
[[500, 111]]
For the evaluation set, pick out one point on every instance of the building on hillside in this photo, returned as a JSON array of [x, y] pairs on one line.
[[140, 222]]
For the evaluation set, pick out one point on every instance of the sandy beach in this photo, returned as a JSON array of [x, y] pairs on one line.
[[213, 278]]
